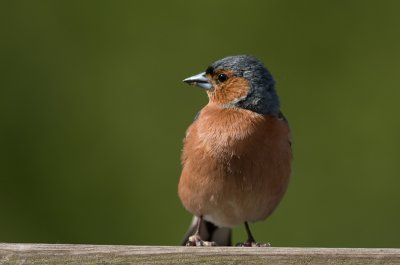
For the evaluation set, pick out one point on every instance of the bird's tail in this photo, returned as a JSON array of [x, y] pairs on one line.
[[222, 236]]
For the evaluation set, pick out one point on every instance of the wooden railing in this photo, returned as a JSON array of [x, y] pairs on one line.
[[105, 254]]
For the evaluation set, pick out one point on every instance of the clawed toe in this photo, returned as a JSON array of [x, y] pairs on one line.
[[251, 242], [195, 241]]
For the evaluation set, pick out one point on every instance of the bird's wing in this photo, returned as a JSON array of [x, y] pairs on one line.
[[222, 236], [283, 118]]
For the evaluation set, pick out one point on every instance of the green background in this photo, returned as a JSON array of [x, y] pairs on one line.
[[93, 113]]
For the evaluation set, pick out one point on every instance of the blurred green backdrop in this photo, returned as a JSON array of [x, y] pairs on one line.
[[93, 112]]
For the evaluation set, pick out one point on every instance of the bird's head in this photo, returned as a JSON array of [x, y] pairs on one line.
[[239, 82]]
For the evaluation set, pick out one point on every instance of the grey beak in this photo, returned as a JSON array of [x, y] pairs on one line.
[[199, 80]]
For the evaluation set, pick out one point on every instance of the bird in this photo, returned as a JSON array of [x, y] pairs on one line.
[[237, 153]]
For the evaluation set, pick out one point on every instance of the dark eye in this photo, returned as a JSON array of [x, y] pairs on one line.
[[222, 77]]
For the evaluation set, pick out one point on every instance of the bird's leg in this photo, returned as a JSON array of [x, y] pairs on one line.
[[196, 240], [250, 238], [251, 242]]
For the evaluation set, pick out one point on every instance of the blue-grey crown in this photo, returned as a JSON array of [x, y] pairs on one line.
[[262, 97]]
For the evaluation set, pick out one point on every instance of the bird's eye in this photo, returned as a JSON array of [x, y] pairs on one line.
[[222, 77]]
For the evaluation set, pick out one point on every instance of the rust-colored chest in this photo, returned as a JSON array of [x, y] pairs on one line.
[[236, 165]]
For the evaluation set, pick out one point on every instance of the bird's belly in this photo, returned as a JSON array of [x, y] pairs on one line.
[[246, 203], [231, 192]]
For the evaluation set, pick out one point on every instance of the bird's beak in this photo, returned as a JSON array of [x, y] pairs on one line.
[[199, 80]]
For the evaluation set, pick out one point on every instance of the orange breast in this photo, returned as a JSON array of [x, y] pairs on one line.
[[236, 165]]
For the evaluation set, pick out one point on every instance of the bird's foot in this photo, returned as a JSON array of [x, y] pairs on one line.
[[196, 241], [253, 244]]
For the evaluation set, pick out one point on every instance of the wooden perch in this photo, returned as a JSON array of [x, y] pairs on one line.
[[103, 254]]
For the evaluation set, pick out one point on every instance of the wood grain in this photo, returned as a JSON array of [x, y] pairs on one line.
[[104, 254]]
